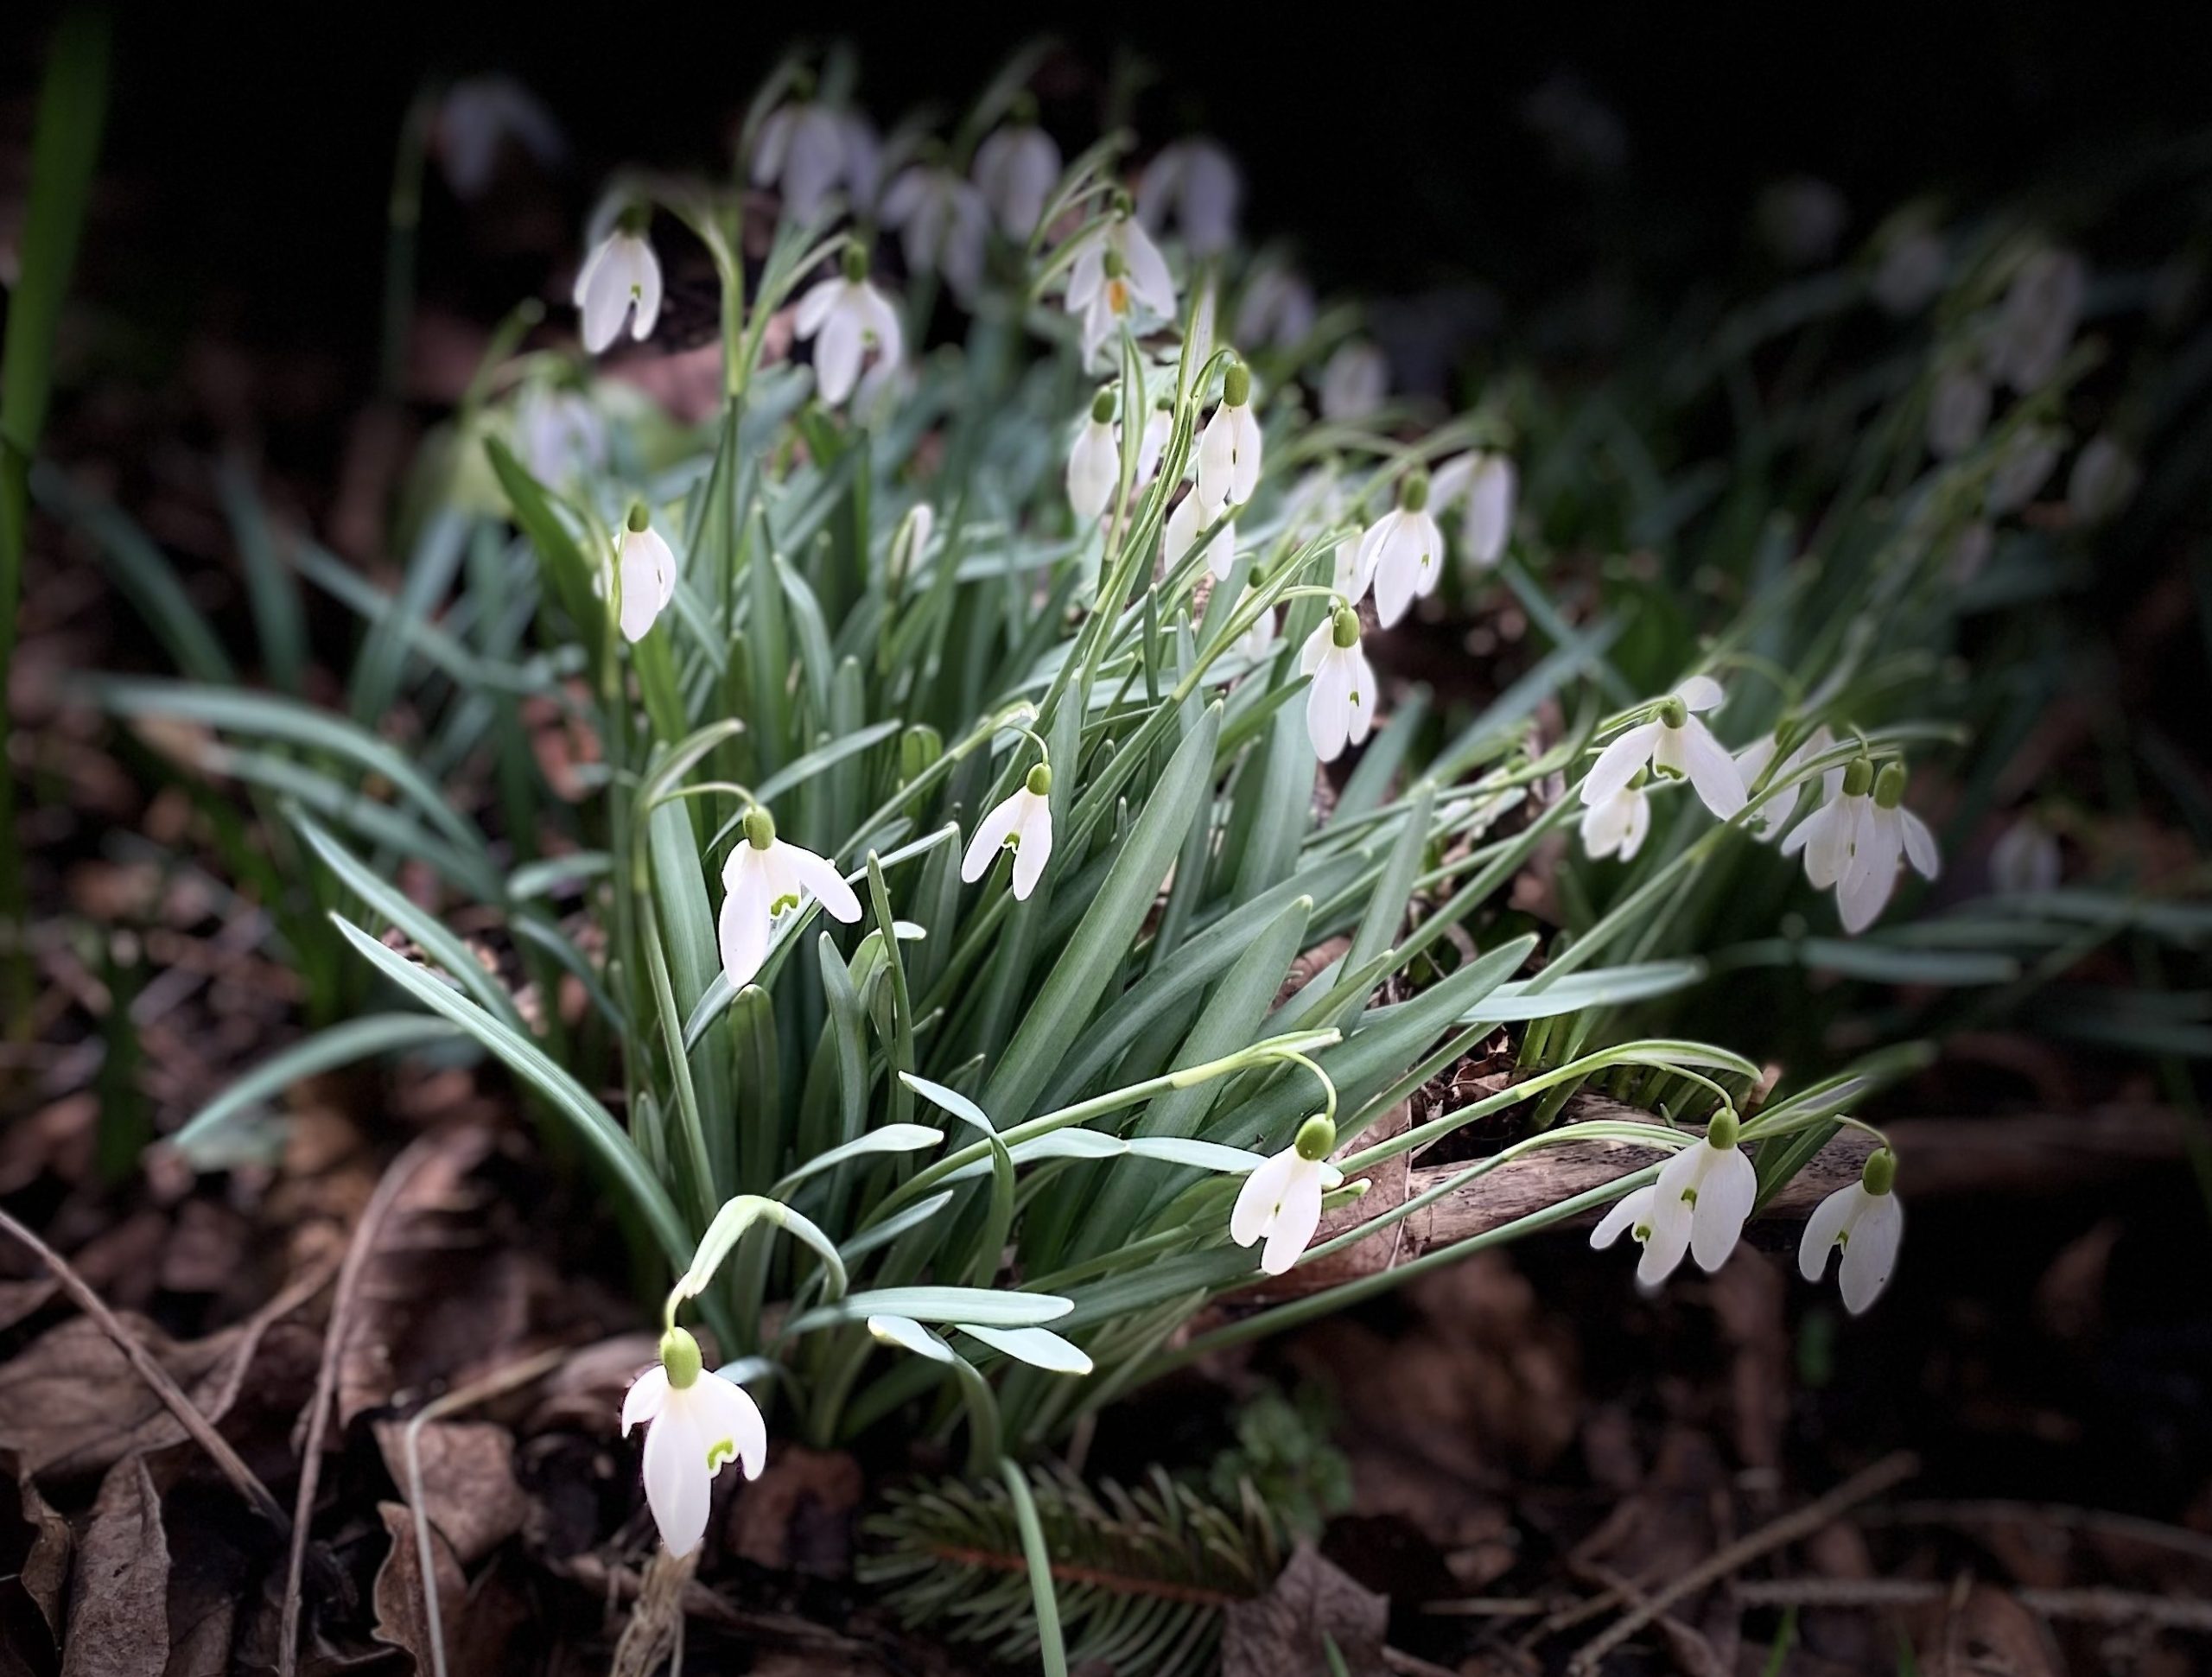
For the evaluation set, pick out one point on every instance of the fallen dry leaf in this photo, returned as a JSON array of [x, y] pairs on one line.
[[1986, 1634], [118, 1605], [1286, 1632], [403, 1614], [469, 1481], [798, 1515], [73, 1404], [34, 1552]]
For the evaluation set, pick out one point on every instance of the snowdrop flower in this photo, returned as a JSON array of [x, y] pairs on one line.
[[1094, 462], [1355, 381], [943, 225], [1259, 640], [2103, 482], [1198, 181], [2027, 462], [1184, 524], [1158, 430], [1119, 280], [1829, 837], [1802, 220], [1767, 821], [1022, 824], [764, 879], [1340, 704], [558, 433], [1910, 272], [644, 574], [1277, 311], [478, 115], [1400, 552], [910, 542], [1866, 1221], [1484, 486], [1016, 168], [1885, 836], [2025, 859], [1698, 1206], [1616, 826], [1228, 448], [697, 1424], [850, 317], [1281, 1202], [622, 274], [1958, 412], [801, 151], [1676, 745], [2038, 319]]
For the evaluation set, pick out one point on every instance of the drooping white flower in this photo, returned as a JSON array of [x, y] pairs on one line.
[[1885, 838], [1802, 218], [2027, 463], [1355, 381], [1616, 826], [1340, 704], [1016, 168], [1198, 181], [476, 118], [1699, 1205], [849, 317], [1402, 553], [1767, 821], [1023, 824], [559, 434], [1158, 429], [2037, 322], [1259, 640], [1958, 412], [1281, 1202], [1184, 525], [801, 151], [1094, 462], [764, 879], [2025, 859], [943, 225], [1910, 272], [1277, 310], [1119, 279], [1483, 486], [1867, 1222], [911, 541], [645, 575], [1228, 448], [2103, 482], [621, 278], [1829, 836], [1677, 744], [696, 1423]]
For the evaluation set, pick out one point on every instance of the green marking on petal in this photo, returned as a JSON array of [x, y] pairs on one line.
[[783, 904], [720, 1452]]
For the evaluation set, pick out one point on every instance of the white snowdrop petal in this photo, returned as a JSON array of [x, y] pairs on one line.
[[1724, 1201], [991, 835], [821, 880], [1035, 849], [729, 1425], [1711, 769], [1623, 1215], [1871, 1253], [644, 1399], [1830, 1219], [1616, 764], [742, 927], [1255, 1210], [1296, 1219], [678, 1489]]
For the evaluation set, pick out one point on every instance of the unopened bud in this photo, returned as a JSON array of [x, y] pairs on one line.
[[855, 263], [1344, 628], [1880, 1173], [1889, 786], [1674, 713], [679, 1356], [1102, 407], [1725, 1128], [1316, 1140], [1414, 496], [641, 520], [760, 827], [1859, 779], [1236, 384], [1041, 779]]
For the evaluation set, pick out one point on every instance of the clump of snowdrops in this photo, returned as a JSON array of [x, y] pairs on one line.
[[969, 743]]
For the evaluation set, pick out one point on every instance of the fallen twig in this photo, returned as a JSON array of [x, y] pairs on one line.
[[2128, 1527], [358, 1252], [157, 1378], [2098, 1605], [1803, 1523]]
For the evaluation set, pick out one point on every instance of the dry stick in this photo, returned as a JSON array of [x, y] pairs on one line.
[[1890, 1470], [2129, 1527], [492, 1385], [157, 1378], [402, 1171], [2100, 1606]]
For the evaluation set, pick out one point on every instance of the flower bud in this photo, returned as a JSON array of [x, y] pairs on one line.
[[1725, 1128], [1889, 786], [1317, 1139], [1041, 779], [1674, 713], [679, 1354], [1859, 779], [641, 520], [1102, 407], [760, 827], [1880, 1174], [1343, 628], [855, 263], [1414, 496], [1236, 384]]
